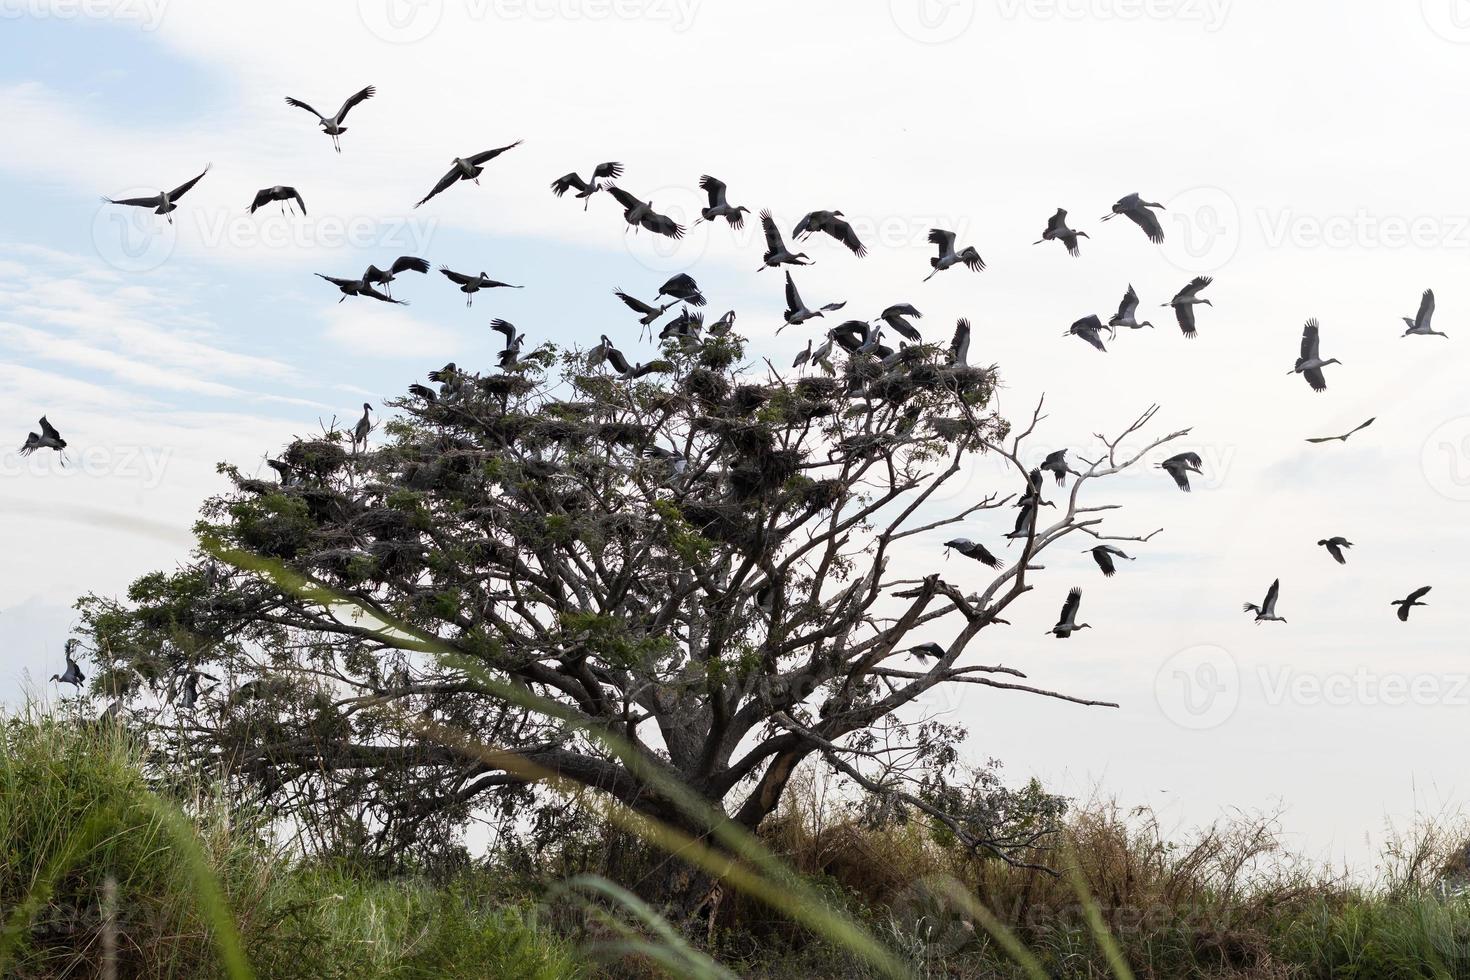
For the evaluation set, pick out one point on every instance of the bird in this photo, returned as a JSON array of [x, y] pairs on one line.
[[611, 170], [333, 126], [281, 193], [356, 287], [718, 206], [1179, 467], [384, 277], [677, 462], [1310, 364], [1056, 464], [1067, 624], [470, 285], [1088, 329], [364, 427], [1420, 324], [834, 224], [925, 652], [975, 550], [1334, 548], [1103, 555], [1344, 436], [896, 317], [73, 673], [283, 468], [467, 168], [682, 287], [948, 256], [649, 313], [640, 214], [959, 347], [1413, 600], [605, 351], [1184, 302], [513, 341], [1127, 312], [796, 311], [164, 202], [48, 438], [723, 325], [776, 251], [765, 599], [1266, 611], [1057, 230], [687, 327], [1137, 211]]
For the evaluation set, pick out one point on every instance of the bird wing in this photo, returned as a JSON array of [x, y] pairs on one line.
[[809, 222], [506, 328], [634, 303], [183, 188], [445, 182], [49, 431], [302, 105], [1363, 426], [1418, 594], [1070, 606], [362, 95], [1148, 221], [1268, 608], [409, 263], [843, 232], [1194, 286], [1104, 560], [715, 188], [1185, 316], [617, 360], [972, 260], [773, 234], [793, 298], [1315, 379], [1335, 550], [562, 184], [628, 201], [1404, 610], [944, 239], [489, 155], [299, 202], [368, 290], [959, 348], [1426, 309], [137, 202], [1311, 342], [1179, 473], [611, 169], [458, 277], [262, 198], [1129, 306], [662, 224], [336, 281]]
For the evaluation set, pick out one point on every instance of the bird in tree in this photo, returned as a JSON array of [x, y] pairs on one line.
[[640, 214], [1344, 436], [356, 287], [602, 174], [280, 193], [47, 438], [384, 277], [466, 168], [1186, 300], [925, 652], [718, 207], [332, 125], [1104, 554], [832, 223], [73, 673], [511, 352], [1067, 623], [364, 428], [1056, 464], [1136, 210], [1420, 324], [1057, 231], [1410, 602], [1180, 466], [1310, 364], [796, 311], [948, 257], [1335, 546], [975, 550], [1089, 328], [959, 347], [1266, 611], [776, 251], [686, 328], [470, 285], [164, 202], [1127, 315]]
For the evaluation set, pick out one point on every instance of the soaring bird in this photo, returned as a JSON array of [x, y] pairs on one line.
[[384, 277], [586, 188], [1420, 324], [640, 214], [1334, 548], [1057, 230], [834, 224], [1344, 436], [959, 347], [682, 287], [1185, 301], [1266, 611], [363, 428], [1056, 464], [647, 312], [776, 251], [163, 202], [513, 341], [332, 126], [470, 285], [48, 438], [948, 256], [73, 674], [1103, 554], [925, 652], [1088, 328], [1137, 211], [1409, 603], [796, 311], [1310, 364], [1127, 315], [356, 287], [1067, 624], [975, 550], [718, 206], [896, 317], [466, 168], [281, 193], [1179, 467]]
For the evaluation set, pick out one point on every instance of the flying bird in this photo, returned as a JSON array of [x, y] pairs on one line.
[[776, 251], [647, 312], [833, 223], [73, 674], [1057, 230], [682, 287], [470, 285], [1266, 611], [796, 311], [1127, 315], [332, 126], [1185, 301], [975, 550], [896, 317], [1179, 467], [925, 652], [163, 202], [1310, 364], [513, 341], [959, 347], [281, 193], [1344, 436], [1334, 548], [384, 277], [1088, 328], [586, 188], [466, 168], [1409, 603], [1420, 324], [1067, 624], [48, 438], [1137, 211], [1103, 554], [947, 256], [640, 214], [1056, 464], [356, 287], [718, 206]]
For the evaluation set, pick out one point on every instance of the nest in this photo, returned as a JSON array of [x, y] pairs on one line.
[[710, 387], [821, 389]]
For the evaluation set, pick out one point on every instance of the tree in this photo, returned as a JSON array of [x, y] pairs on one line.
[[695, 561]]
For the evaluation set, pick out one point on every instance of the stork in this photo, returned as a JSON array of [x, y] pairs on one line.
[[470, 285], [797, 312], [948, 257], [1335, 546], [1420, 324], [1410, 602], [164, 202], [1127, 315], [466, 168], [332, 125], [384, 277], [1067, 624], [1103, 554], [1266, 611], [1136, 209], [1310, 364], [718, 206], [1180, 466], [776, 251], [281, 193], [611, 170], [1185, 301], [832, 223], [1057, 230], [640, 214]]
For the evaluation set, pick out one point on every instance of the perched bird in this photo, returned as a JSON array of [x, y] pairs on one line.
[[281, 193], [1127, 315], [1310, 364], [1056, 464], [925, 652], [586, 188], [776, 251], [1057, 230], [682, 287], [718, 206], [1334, 548], [384, 277], [677, 463], [356, 287], [364, 427], [1137, 211], [513, 341], [723, 325], [1185, 301], [687, 327], [466, 168], [48, 438], [73, 673], [1420, 324], [834, 224], [605, 351], [640, 214], [1088, 328], [470, 285], [1344, 436], [896, 317], [164, 202], [796, 311], [765, 599], [1409, 603], [975, 550], [947, 256], [1103, 554], [332, 126], [283, 469], [1179, 467], [959, 347], [648, 312], [1067, 624], [1266, 611]]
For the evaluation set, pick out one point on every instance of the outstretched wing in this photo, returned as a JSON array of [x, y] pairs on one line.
[[1129, 306], [49, 431], [353, 99], [302, 105], [299, 202], [1426, 309], [183, 188], [506, 329], [1149, 222], [843, 232], [628, 201], [1311, 343], [445, 182], [1071, 605], [458, 277], [611, 169], [137, 202], [566, 182], [944, 239], [262, 198], [634, 303], [793, 298], [662, 224], [408, 263], [1414, 596], [489, 155], [1185, 316], [714, 188], [773, 234]]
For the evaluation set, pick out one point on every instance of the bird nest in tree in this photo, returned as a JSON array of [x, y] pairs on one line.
[[710, 387]]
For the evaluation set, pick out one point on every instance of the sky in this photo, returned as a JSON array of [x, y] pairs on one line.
[[1310, 157]]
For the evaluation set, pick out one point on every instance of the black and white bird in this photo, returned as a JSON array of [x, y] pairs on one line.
[[686, 328], [1057, 230], [647, 312], [1104, 554], [1420, 324], [925, 652], [1344, 436], [676, 462], [605, 352], [1335, 546], [1137, 211], [797, 312], [1127, 315], [470, 285], [1089, 328], [1180, 466], [364, 427], [718, 206], [1310, 364], [959, 347], [332, 125], [1409, 603], [356, 287], [896, 317], [1266, 611], [682, 287], [640, 214], [832, 223], [283, 468], [466, 168], [164, 202], [820, 355], [1186, 300], [609, 171], [975, 550], [947, 256], [776, 251], [384, 277], [73, 673], [511, 353], [47, 438], [1056, 464], [281, 193], [1067, 624]]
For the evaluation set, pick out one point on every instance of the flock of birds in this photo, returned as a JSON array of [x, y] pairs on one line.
[[852, 336]]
